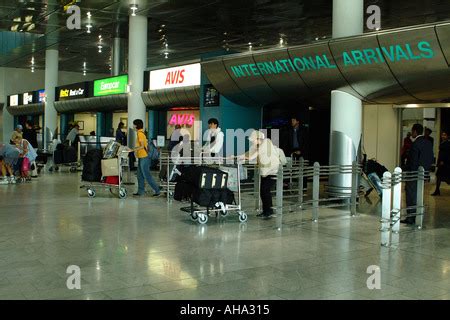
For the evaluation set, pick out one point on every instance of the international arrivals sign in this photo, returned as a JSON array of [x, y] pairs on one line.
[[391, 54], [110, 86], [182, 76]]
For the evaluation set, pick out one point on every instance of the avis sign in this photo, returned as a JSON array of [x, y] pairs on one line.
[[182, 76], [182, 119]]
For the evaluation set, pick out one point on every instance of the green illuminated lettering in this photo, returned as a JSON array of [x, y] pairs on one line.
[[331, 66], [270, 67], [254, 69], [425, 47], [262, 68], [380, 55], [285, 64], [411, 53], [237, 71], [370, 55], [309, 63], [279, 67], [320, 63], [299, 65], [245, 66], [400, 53], [347, 59], [390, 54], [358, 56]]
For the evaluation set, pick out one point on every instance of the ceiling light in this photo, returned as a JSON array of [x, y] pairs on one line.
[[32, 69], [28, 18], [378, 29], [89, 14], [250, 46], [84, 73], [15, 27], [18, 19], [166, 55]]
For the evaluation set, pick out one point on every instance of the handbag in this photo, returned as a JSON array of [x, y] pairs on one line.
[[153, 153], [25, 165]]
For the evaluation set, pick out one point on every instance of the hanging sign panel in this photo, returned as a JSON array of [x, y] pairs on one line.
[[110, 86], [183, 76]]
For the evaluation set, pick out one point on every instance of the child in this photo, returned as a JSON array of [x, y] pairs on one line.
[[26, 156]]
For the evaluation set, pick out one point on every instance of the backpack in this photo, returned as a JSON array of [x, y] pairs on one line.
[[152, 151]]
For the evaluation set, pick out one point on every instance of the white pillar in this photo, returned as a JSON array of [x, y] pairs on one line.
[[348, 18], [117, 66], [51, 82], [136, 66], [346, 110]]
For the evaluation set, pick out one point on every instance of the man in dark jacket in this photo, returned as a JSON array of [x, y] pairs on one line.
[[30, 134], [420, 155], [296, 141]]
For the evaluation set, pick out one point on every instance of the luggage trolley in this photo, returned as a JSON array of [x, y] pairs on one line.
[[122, 159], [201, 214], [61, 157]]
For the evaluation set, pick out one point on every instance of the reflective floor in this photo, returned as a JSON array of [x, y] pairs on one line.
[[148, 249]]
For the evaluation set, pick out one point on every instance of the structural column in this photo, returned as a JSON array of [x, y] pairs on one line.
[[346, 110], [51, 82], [137, 64]]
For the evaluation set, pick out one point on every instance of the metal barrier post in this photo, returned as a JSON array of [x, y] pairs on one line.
[[386, 210], [315, 193], [279, 190], [300, 181], [257, 179], [354, 194], [168, 178], [396, 199], [420, 191]]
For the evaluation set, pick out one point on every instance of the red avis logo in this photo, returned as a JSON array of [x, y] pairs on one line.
[[175, 77], [182, 119]]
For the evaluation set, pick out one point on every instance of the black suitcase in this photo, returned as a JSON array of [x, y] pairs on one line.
[[58, 156], [203, 177], [183, 191], [92, 166], [70, 155], [206, 197]]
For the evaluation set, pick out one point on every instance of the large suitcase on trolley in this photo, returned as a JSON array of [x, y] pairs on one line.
[[209, 197], [92, 166], [204, 177]]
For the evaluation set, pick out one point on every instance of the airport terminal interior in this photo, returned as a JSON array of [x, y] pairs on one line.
[[224, 150]]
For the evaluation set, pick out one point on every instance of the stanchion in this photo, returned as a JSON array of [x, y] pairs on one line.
[[396, 199], [386, 210], [300, 181], [316, 191], [256, 190], [354, 195], [420, 191], [279, 190]]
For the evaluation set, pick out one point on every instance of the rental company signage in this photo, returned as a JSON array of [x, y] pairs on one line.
[[392, 54], [41, 96], [28, 98], [110, 86], [183, 76], [14, 100], [182, 119], [73, 91]]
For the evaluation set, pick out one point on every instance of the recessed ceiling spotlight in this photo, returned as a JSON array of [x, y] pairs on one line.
[[99, 48], [250, 46], [32, 69], [84, 72], [18, 19], [28, 18], [166, 55]]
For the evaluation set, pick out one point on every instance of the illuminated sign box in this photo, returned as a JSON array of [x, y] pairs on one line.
[[28, 98], [183, 76], [73, 91], [41, 96], [14, 100], [110, 86]]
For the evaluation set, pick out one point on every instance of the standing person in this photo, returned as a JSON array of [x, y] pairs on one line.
[[296, 140], [268, 159], [30, 134], [443, 171], [72, 137], [420, 155], [407, 144], [428, 136], [144, 162], [214, 139], [121, 137]]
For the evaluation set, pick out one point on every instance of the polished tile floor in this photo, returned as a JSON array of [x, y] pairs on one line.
[[148, 249]]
